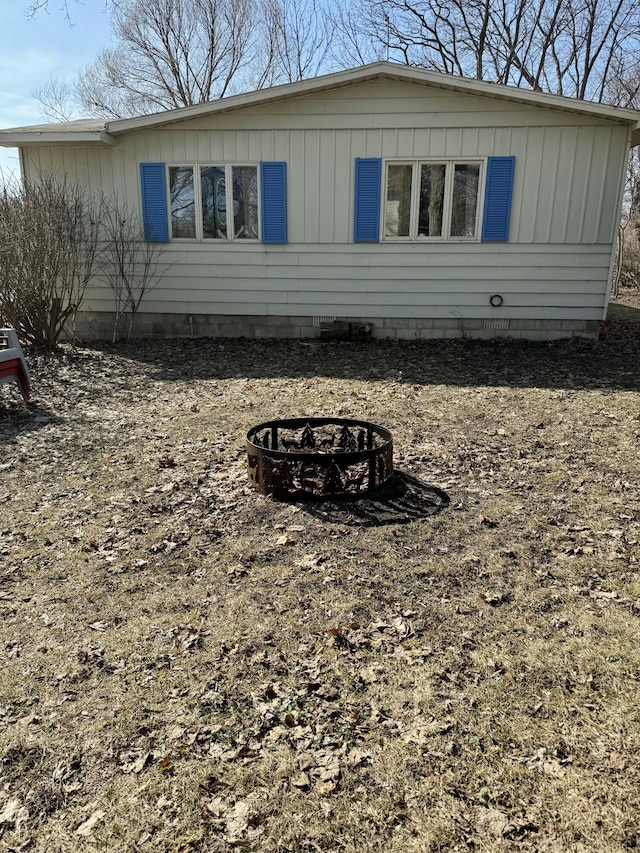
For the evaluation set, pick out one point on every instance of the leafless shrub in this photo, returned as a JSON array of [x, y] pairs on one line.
[[626, 271], [48, 252], [130, 266]]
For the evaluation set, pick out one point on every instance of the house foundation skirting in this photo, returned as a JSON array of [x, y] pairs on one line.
[[92, 325]]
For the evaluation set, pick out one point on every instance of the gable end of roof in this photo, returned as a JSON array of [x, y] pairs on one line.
[[98, 131]]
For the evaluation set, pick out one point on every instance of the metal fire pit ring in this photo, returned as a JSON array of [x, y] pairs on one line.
[[319, 458]]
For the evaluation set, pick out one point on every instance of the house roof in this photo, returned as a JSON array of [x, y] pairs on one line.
[[87, 130], [104, 131]]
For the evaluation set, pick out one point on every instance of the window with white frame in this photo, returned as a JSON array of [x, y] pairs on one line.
[[214, 202], [431, 199]]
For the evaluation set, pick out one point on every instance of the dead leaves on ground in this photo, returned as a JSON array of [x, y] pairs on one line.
[[378, 636], [13, 812], [321, 727], [238, 821], [270, 665], [318, 772], [86, 827]]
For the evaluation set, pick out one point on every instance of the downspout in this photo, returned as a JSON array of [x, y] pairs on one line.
[[23, 164]]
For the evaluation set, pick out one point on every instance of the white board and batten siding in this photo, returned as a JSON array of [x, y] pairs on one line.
[[555, 265]]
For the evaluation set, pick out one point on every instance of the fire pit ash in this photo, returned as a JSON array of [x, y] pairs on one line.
[[303, 458]]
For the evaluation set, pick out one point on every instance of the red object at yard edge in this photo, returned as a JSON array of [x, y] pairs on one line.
[[13, 365]]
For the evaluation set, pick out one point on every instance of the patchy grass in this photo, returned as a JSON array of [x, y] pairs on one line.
[[187, 666]]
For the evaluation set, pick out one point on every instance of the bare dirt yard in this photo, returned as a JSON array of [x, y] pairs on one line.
[[188, 666]]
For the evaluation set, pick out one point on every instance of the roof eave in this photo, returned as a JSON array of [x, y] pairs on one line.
[[26, 139]]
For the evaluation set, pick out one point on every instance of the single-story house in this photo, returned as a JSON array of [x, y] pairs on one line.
[[406, 202]]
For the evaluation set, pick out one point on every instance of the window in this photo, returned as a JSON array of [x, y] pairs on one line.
[[183, 201], [435, 210], [214, 202], [431, 200]]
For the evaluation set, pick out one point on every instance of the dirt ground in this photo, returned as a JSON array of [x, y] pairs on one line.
[[188, 666]]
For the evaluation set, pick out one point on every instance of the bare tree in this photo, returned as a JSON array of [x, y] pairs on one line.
[[568, 47], [57, 100], [130, 265], [33, 7], [174, 53], [48, 250], [301, 33], [623, 89], [357, 39], [627, 264]]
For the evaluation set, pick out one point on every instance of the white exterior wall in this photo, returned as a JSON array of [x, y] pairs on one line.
[[564, 215]]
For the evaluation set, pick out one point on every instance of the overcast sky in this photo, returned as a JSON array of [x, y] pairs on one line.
[[32, 51]]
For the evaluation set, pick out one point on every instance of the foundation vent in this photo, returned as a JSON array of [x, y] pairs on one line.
[[495, 323]]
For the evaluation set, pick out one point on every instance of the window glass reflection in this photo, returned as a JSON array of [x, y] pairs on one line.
[[182, 201]]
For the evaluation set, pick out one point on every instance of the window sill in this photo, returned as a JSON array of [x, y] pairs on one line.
[[213, 242], [428, 241]]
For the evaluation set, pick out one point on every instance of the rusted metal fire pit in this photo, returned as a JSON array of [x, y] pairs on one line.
[[302, 458]]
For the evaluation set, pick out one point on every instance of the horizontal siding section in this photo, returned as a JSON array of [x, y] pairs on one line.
[[471, 254], [561, 283], [379, 277], [226, 293]]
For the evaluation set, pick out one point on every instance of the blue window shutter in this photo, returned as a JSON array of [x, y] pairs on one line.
[[497, 199], [273, 185], [366, 227], [154, 202]]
